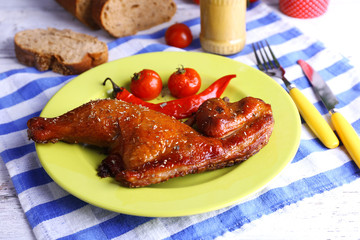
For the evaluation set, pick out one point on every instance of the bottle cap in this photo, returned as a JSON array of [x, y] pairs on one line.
[[303, 8]]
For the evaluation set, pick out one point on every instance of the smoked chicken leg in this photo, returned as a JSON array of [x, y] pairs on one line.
[[147, 147]]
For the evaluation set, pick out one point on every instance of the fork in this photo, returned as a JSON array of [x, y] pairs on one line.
[[268, 63]]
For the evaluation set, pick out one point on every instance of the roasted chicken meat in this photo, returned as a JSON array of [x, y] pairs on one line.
[[147, 147]]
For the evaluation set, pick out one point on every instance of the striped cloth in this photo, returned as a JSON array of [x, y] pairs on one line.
[[55, 214]]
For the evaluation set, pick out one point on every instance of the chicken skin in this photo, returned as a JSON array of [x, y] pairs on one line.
[[147, 147]]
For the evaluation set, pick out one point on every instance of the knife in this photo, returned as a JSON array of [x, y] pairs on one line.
[[346, 132]]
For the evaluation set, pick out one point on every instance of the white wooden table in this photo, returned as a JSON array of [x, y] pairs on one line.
[[332, 215]]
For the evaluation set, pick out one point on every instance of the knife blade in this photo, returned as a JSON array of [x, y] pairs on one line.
[[346, 132]]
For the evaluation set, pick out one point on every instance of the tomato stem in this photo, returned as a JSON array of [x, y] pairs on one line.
[[136, 76], [181, 70]]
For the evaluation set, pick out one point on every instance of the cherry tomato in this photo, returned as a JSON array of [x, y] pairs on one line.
[[146, 84], [197, 1], [184, 82], [178, 35]]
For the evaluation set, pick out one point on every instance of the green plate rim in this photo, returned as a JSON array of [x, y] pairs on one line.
[[188, 195]]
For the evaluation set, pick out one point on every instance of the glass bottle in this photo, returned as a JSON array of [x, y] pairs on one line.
[[223, 26]]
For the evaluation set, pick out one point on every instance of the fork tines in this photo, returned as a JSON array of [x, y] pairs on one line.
[[265, 63]]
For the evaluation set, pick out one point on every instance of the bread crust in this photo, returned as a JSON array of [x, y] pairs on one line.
[[83, 14], [97, 7], [96, 11], [145, 15], [45, 61]]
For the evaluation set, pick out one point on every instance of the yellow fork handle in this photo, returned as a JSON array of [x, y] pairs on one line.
[[314, 119], [348, 136]]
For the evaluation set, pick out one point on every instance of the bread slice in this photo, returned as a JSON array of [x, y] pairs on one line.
[[126, 17], [81, 9], [64, 51]]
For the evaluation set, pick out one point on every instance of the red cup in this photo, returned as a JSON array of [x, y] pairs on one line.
[[303, 8]]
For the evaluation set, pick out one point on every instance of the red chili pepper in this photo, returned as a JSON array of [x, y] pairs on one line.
[[178, 108]]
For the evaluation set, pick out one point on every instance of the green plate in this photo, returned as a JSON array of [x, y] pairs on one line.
[[73, 167]]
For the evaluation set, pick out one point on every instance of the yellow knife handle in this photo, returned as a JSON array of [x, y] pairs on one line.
[[348, 136], [314, 119]]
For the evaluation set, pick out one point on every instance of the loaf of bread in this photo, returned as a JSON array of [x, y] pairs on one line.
[[121, 17], [64, 51], [126, 17], [81, 9]]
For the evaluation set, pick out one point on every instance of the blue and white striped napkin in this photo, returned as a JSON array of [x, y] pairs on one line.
[[53, 213]]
